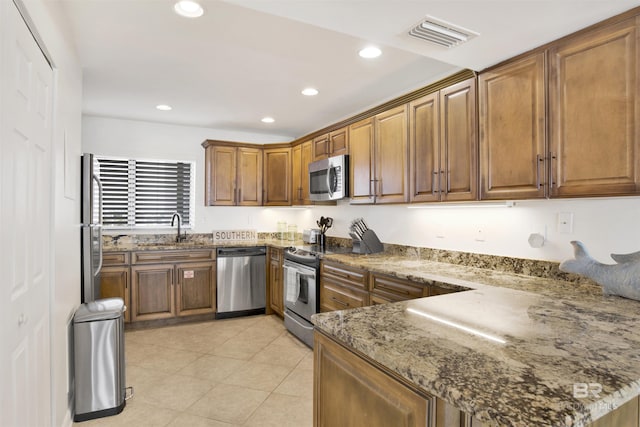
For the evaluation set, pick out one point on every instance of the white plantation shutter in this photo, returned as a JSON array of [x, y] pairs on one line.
[[146, 193]]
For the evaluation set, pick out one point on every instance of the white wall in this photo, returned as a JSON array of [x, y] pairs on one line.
[[136, 139], [608, 225], [65, 293], [604, 225]]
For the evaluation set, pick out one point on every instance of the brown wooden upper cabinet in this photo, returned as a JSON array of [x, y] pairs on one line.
[[300, 159], [277, 176], [594, 114], [331, 144], [513, 148], [378, 158], [233, 175], [443, 145]]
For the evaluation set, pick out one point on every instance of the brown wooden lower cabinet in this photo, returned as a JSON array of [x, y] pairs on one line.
[[153, 295], [349, 391], [114, 283], [195, 292], [115, 279], [392, 289], [168, 284], [276, 281], [336, 296], [342, 287]]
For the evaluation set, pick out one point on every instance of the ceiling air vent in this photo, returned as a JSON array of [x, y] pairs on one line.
[[441, 32]]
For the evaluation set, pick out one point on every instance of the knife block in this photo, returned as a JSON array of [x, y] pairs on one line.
[[369, 244]]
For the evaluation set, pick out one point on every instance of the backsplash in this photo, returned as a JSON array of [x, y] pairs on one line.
[[527, 267]]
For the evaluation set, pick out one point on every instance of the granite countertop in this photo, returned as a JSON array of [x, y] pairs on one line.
[[127, 245], [509, 350]]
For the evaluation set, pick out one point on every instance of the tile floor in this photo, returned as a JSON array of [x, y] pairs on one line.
[[237, 372]]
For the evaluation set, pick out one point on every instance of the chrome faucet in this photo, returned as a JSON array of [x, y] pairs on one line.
[[179, 237]]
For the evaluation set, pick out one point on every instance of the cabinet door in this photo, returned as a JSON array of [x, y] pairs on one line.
[[300, 159], [277, 177], [276, 282], [459, 141], [339, 142], [296, 174], [594, 113], [114, 283], [304, 163], [512, 130], [152, 293], [249, 177], [349, 391], [361, 173], [321, 147], [424, 149], [195, 292], [220, 176], [391, 171]]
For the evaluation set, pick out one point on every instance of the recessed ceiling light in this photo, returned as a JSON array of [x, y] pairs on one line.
[[188, 9], [310, 91], [163, 107], [268, 120], [370, 52]]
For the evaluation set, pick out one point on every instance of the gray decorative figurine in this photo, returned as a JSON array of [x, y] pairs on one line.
[[622, 278]]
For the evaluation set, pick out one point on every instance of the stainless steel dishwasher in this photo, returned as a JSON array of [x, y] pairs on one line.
[[242, 281]]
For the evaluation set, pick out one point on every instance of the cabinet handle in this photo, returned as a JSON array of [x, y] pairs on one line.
[[539, 160], [379, 192], [440, 182], [374, 186], [553, 158], [342, 303], [239, 195], [433, 183]]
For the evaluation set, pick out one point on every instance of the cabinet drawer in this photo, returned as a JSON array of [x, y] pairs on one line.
[[398, 288], [440, 290], [334, 296], [115, 258], [349, 275], [146, 257]]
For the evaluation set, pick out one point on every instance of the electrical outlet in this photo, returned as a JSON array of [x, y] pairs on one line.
[[565, 222]]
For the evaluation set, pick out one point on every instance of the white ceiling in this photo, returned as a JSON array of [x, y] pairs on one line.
[[246, 59]]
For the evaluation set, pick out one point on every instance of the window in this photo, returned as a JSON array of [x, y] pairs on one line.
[[145, 193]]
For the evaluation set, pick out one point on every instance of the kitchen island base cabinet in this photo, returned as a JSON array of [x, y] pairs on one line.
[[349, 391]]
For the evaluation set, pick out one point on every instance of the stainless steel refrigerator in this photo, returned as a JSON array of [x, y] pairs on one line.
[[91, 218]]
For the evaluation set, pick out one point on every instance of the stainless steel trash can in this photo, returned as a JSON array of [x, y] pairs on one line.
[[98, 328]]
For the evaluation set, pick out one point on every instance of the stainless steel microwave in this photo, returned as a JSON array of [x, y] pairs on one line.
[[329, 178]]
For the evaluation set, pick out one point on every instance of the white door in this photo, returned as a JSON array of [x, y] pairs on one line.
[[25, 224]]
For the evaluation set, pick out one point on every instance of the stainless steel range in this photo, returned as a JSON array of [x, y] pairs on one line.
[[301, 291]]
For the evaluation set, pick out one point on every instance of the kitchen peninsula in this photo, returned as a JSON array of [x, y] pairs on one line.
[[512, 350]]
